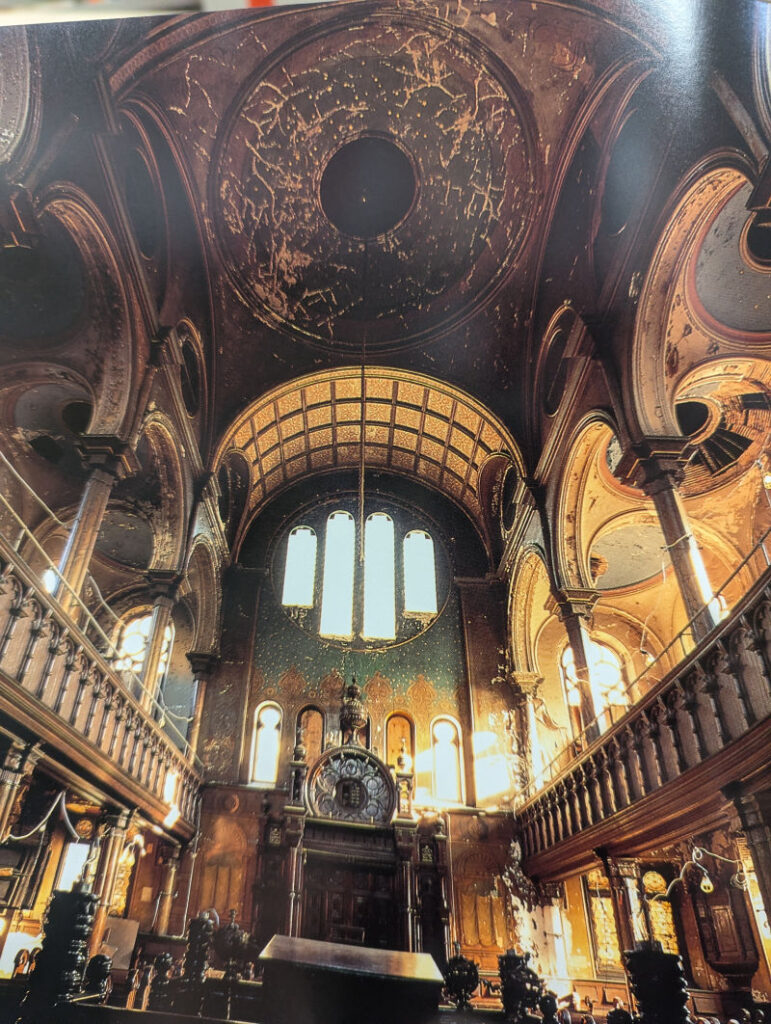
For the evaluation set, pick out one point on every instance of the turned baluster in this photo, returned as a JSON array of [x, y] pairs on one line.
[[603, 778], [685, 726], [553, 816], [562, 811], [617, 775], [749, 667], [107, 706], [725, 686], [56, 635], [14, 613], [664, 739], [128, 729], [120, 710], [582, 787], [97, 693], [573, 807], [39, 622], [631, 764], [80, 692], [704, 709], [542, 826], [593, 787], [651, 777], [763, 628]]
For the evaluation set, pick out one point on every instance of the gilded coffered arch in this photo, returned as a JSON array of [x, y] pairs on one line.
[[414, 426]]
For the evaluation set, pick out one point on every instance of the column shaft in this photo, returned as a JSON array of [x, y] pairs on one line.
[[79, 548], [167, 893]]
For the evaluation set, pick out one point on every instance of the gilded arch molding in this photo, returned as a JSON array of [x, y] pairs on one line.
[[414, 426]]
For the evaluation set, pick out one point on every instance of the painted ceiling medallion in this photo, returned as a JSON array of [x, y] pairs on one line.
[[377, 179]]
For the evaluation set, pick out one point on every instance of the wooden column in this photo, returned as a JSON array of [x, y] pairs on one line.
[[203, 665], [757, 831], [170, 861], [111, 847], [17, 766], [163, 586], [623, 874], [657, 466], [109, 459]]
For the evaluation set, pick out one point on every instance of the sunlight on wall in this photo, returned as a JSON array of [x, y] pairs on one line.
[[491, 770]]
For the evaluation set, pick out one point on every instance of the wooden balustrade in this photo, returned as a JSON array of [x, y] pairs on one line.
[[54, 678], [703, 711]]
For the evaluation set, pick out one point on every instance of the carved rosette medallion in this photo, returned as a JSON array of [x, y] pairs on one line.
[[351, 784], [461, 124]]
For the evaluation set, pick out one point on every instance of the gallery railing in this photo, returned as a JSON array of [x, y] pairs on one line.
[[719, 692], [58, 668]]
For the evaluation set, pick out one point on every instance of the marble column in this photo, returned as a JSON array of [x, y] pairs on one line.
[[757, 830], [17, 766], [109, 458], [574, 607], [202, 665], [657, 467], [163, 586], [167, 892], [111, 847]]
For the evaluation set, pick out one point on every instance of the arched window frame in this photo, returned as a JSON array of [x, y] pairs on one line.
[[134, 663], [389, 756], [309, 570], [407, 621], [418, 613], [460, 761], [605, 713], [334, 585], [298, 726], [256, 738]]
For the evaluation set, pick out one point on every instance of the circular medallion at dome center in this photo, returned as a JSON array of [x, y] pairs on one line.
[[376, 181]]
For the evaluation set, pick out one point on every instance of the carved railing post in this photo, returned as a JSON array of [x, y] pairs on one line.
[[617, 774], [749, 667], [61, 963], [725, 687], [659, 986], [685, 726], [647, 754], [663, 736]]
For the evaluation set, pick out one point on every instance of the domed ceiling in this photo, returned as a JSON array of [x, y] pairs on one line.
[[309, 235], [371, 180]]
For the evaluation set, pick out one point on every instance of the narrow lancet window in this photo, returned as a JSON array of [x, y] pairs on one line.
[[337, 586], [419, 574], [266, 745], [300, 569], [379, 581]]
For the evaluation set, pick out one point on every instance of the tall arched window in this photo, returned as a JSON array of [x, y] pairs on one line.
[[133, 646], [383, 586], [399, 730], [445, 747], [300, 568], [266, 744], [310, 726], [419, 574], [379, 582], [607, 683], [337, 587]]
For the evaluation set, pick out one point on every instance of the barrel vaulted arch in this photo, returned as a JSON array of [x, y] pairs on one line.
[[414, 426]]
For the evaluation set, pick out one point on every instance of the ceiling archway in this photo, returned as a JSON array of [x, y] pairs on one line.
[[415, 426]]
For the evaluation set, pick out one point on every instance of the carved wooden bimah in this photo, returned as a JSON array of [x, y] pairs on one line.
[[314, 982]]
